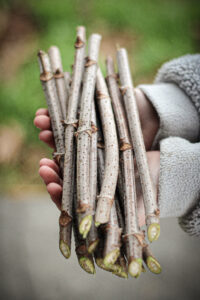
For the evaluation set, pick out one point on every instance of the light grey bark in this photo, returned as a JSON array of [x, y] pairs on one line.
[[84, 128], [133, 248], [150, 202], [48, 84], [57, 68], [106, 196]]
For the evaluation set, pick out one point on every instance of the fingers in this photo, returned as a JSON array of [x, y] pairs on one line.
[[49, 171], [42, 111], [49, 175], [47, 137], [42, 122], [55, 191], [50, 163]]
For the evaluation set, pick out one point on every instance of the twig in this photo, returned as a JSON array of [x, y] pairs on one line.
[[150, 203], [48, 84], [151, 261], [92, 238], [84, 133], [56, 63], [105, 199], [134, 251], [112, 230], [71, 121], [67, 78]]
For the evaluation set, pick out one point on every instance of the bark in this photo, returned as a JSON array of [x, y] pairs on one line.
[[127, 174], [57, 68], [84, 129], [85, 258], [151, 261], [112, 230], [67, 78], [108, 187], [93, 234], [48, 84], [150, 202], [69, 159]]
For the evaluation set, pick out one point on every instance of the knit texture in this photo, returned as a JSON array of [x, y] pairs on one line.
[[185, 72]]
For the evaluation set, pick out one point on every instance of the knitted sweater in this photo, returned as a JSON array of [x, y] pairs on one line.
[[175, 96]]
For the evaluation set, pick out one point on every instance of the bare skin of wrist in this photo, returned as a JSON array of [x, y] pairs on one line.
[[49, 170]]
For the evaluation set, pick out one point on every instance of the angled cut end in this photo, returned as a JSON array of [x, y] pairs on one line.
[[135, 267], [121, 274], [153, 232], [92, 247], [111, 257], [153, 265], [85, 225], [87, 265], [65, 249]]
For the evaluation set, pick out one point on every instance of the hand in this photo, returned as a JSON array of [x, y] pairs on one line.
[[49, 170]]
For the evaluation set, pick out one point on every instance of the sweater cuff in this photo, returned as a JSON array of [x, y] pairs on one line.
[[179, 181], [178, 115]]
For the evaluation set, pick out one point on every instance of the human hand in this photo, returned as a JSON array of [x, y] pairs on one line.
[[49, 170]]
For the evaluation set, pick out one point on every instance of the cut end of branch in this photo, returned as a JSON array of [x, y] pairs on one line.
[[153, 232], [92, 247], [65, 249], [85, 225], [135, 267], [153, 265], [121, 274], [111, 257], [87, 265], [97, 224]]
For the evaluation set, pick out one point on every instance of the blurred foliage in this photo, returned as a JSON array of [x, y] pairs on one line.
[[158, 31]]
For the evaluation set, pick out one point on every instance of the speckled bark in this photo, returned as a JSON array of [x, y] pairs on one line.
[[48, 84], [69, 159], [112, 234], [134, 249], [57, 68], [151, 207], [108, 187], [84, 128], [93, 234], [67, 78]]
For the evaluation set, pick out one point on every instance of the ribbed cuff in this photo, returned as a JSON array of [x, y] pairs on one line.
[[179, 181], [178, 115]]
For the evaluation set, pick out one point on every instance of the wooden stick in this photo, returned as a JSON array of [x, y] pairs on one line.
[[112, 230], [150, 203], [69, 162], [84, 133], [48, 84], [151, 261], [67, 78], [56, 64], [93, 239], [105, 199], [134, 251]]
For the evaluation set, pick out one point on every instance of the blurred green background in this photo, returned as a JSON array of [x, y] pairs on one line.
[[153, 32]]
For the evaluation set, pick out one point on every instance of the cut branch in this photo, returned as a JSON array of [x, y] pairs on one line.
[[84, 133], [150, 203], [48, 84], [105, 199], [112, 230], [93, 234], [69, 162], [134, 249], [56, 64], [151, 261]]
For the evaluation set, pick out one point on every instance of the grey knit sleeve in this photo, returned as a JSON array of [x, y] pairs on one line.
[[176, 98], [185, 72]]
